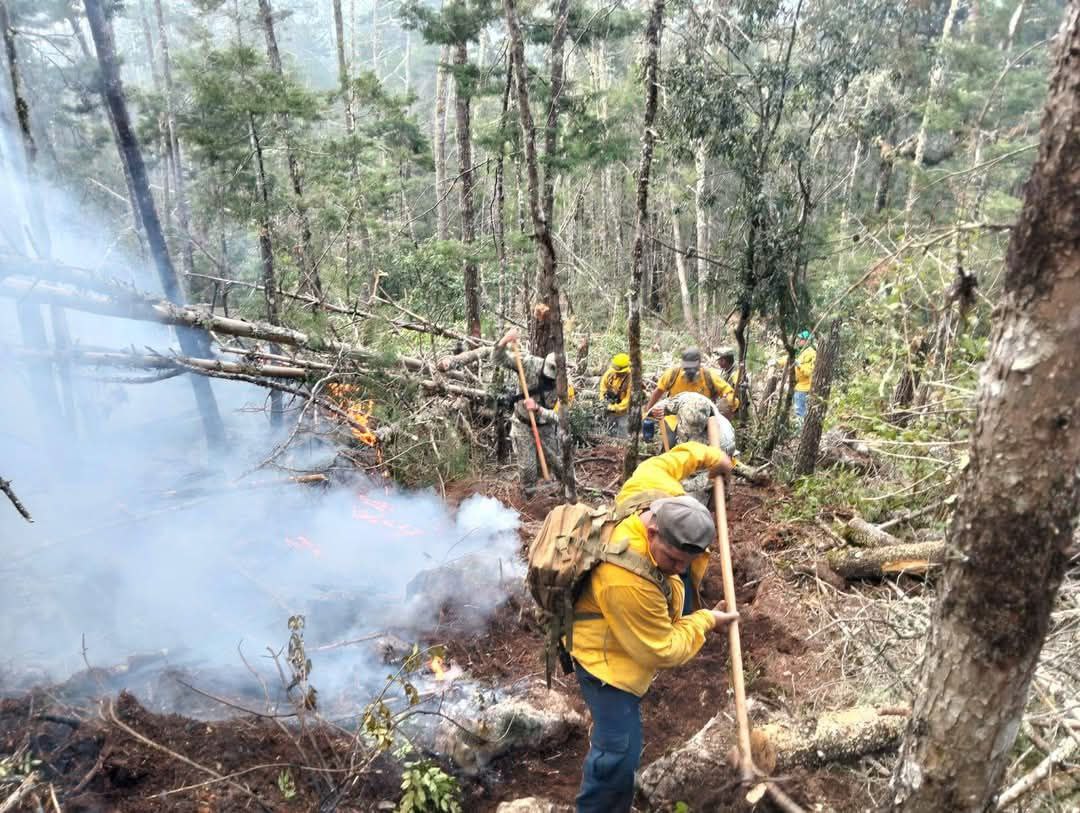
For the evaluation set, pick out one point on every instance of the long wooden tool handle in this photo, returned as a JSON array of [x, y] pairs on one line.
[[746, 760], [532, 417]]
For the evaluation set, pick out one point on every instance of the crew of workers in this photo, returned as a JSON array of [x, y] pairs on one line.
[[685, 397]]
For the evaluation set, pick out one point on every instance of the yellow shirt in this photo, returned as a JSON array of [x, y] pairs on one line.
[[618, 383], [675, 381], [640, 633], [804, 369]]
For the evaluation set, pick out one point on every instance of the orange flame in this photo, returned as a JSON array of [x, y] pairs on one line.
[[438, 666], [359, 412]]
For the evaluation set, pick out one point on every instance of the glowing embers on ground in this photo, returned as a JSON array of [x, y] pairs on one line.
[[379, 512], [302, 543], [359, 410]]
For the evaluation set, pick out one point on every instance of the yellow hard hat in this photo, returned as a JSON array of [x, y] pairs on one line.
[[621, 362]]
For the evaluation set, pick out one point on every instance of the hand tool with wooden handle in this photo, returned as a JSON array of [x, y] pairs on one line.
[[746, 761], [532, 417]]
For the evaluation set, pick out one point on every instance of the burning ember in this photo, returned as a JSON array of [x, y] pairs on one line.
[[441, 672], [302, 543], [359, 412], [438, 667]]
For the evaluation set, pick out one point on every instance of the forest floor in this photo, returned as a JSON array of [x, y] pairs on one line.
[[798, 655]]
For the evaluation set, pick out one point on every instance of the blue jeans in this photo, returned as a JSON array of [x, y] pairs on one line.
[[607, 781], [801, 399]]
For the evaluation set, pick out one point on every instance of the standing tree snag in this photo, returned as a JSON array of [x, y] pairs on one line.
[[548, 266], [820, 386], [1019, 496], [641, 225], [193, 342], [463, 131]]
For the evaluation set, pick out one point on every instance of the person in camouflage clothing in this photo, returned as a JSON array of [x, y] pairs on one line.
[[686, 417], [543, 401]]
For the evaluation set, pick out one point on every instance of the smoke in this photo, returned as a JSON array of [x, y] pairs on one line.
[[143, 540]]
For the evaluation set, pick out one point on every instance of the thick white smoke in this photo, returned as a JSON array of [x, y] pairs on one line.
[[142, 541]]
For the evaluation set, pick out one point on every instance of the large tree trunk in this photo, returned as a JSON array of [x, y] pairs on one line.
[[992, 616], [463, 130], [442, 90], [551, 130], [810, 439], [193, 342], [310, 282], [550, 278], [641, 221]]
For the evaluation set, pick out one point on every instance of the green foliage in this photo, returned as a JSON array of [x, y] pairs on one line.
[[427, 788], [286, 785]]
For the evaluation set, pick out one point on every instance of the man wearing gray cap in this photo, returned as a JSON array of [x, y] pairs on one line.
[[690, 376], [628, 625]]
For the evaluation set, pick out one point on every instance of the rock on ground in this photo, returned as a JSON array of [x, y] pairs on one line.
[[538, 718], [532, 804]]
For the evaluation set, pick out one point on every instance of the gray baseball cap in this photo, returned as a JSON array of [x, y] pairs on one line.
[[691, 358], [684, 522]]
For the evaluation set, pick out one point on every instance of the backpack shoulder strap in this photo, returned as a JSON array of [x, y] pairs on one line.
[[636, 503], [620, 555]]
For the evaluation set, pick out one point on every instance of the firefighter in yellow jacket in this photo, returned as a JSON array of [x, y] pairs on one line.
[[690, 376], [804, 372], [615, 390], [627, 627]]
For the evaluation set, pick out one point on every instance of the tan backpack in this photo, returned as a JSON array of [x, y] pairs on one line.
[[573, 541]]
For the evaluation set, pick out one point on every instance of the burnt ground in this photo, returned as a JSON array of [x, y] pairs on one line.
[[94, 763]]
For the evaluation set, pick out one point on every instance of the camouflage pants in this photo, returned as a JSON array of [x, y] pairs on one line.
[[521, 438]]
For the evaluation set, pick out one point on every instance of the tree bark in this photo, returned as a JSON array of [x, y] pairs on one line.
[[463, 131], [857, 531], [996, 596], [310, 282], [820, 387], [193, 342], [442, 90], [551, 131], [701, 238], [271, 296], [546, 246], [890, 560], [183, 208], [641, 221], [681, 273]]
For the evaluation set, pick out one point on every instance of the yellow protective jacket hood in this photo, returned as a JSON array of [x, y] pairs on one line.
[[637, 632]]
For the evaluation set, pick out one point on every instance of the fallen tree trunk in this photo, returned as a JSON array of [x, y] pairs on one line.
[[295, 369], [875, 563], [461, 359], [695, 772], [754, 476], [857, 531], [144, 308]]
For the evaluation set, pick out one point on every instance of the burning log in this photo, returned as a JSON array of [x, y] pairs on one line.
[[914, 558], [692, 773]]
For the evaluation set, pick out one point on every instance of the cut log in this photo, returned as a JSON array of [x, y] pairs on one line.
[[839, 447], [754, 476], [857, 531], [700, 774], [461, 359], [875, 563]]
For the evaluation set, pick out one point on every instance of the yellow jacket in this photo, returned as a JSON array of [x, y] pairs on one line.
[[675, 381], [639, 633], [804, 369], [619, 384]]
